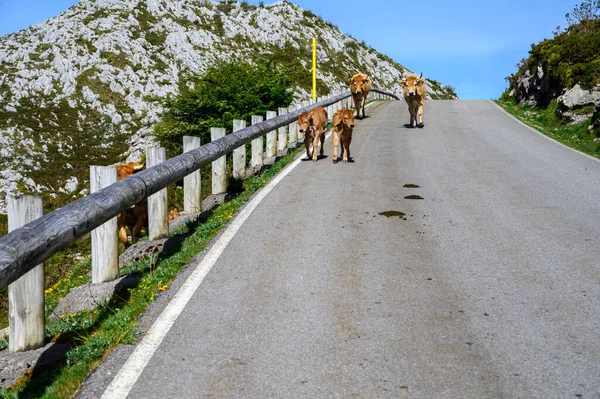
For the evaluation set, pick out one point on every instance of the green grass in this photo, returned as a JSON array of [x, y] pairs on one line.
[[545, 121], [94, 334]]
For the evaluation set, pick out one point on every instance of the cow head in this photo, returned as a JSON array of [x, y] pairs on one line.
[[344, 118], [358, 83], [304, 121], [410, 84]]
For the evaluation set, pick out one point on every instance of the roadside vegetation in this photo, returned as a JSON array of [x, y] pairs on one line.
[[576, 136], [571, 57], [226, 91]]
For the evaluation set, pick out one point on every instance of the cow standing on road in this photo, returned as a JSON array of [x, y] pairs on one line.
[[343, 124], [360, 85], [312, 124], [414, 95]]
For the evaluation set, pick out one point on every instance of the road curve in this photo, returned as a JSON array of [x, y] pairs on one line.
[[487, 288]]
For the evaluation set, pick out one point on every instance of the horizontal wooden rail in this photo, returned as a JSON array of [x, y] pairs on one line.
[[30, 245]]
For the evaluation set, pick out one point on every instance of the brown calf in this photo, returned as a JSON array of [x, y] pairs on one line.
[[343, 124], [312, 124]]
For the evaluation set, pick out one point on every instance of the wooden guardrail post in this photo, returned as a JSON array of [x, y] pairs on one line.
[[293, 129], [192, 183], [271, 150], [239, 154], [105, 241], [282, 137], [257, 146], [158, 206], [219, 179], [26, 295]]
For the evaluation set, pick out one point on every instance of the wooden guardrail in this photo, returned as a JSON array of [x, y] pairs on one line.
[[25, 247]]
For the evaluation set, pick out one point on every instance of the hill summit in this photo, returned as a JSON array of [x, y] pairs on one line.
[[86, 86]]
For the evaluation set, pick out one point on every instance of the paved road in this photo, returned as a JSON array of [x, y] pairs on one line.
[[487, 288]]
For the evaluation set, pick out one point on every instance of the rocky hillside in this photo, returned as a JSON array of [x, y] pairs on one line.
[[86, 87], [563, 73]]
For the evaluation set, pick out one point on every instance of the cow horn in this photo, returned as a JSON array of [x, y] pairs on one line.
[[421, 75]]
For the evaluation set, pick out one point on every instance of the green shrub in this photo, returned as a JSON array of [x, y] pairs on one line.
[[227, 91], [572, 56]]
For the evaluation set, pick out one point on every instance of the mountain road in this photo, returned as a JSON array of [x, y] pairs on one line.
[[460, 260]]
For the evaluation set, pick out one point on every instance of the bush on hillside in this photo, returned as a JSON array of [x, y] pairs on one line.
[[227, 91], [572, 56]]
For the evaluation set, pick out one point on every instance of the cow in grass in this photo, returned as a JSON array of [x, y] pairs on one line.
[[414, 95], [135, 218], [360, 85]]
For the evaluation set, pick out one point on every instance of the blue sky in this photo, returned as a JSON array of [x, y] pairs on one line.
[[469, 44]]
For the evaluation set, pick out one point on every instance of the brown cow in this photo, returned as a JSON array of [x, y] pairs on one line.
[[414, 95], [312, 124], [136, 217], [343, 124], [360, 85]]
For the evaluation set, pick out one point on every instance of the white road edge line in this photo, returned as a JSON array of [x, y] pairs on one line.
[[542, 134], [121, 385]]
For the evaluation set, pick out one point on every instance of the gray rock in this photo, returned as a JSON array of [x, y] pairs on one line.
[[181, 220], [141, 250], [535, 90], [89, 296], [576, 104], [14, 366], [212, 201]]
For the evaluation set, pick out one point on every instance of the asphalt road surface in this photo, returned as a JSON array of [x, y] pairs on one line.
[[487, 287]]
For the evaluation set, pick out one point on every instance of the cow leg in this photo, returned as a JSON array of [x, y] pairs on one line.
[[121, 223], [345, 149], [336, 140], [420, 108], [357, 106], [307, 144], [413, 117], [123, 235], [322, 137], [362, 105], [316, 145], [411, 113], [136, 232], [348, 141]]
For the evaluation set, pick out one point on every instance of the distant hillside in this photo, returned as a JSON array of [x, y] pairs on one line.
[[85, 87]]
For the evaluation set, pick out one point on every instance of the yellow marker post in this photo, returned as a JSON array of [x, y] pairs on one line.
[[314, 90]]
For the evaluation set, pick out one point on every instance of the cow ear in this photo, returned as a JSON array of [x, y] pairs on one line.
[[403, 83], [421, 81]]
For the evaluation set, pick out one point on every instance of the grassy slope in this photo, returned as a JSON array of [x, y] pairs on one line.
[[545, 121]]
